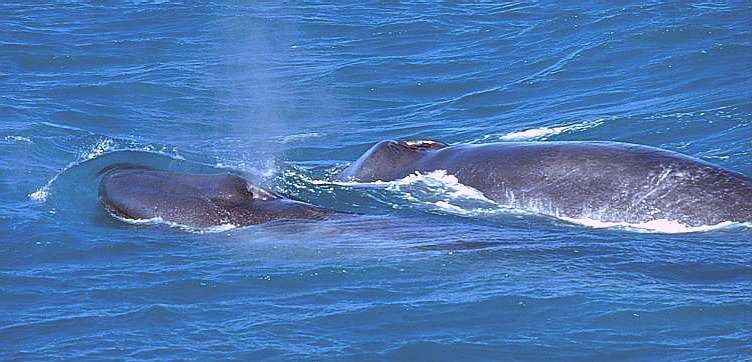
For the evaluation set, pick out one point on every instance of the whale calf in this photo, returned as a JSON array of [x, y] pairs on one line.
[[605, 181], [198, 201]]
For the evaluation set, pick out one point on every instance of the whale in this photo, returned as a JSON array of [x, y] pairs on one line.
[[609, 182], [135, 192]]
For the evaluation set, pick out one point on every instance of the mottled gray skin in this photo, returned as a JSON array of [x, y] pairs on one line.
[[606, 181], [199, 201]]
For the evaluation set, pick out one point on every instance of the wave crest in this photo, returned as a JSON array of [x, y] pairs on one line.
[[541, 133], [100, 148]]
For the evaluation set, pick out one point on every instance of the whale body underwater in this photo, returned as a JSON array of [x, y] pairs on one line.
[[609, 182]]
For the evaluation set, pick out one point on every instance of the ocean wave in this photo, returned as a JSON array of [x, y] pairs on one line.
[[103, 146], [17, 139], [541, 133], [663, 226]]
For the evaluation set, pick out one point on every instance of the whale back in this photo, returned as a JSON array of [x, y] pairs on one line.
[[605, 181], [141, 193], [388, 160]]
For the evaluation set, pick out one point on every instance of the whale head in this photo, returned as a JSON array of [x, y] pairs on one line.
[[199, 201], [388, 160]]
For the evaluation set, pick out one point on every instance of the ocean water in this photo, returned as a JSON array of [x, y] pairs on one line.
[[285, 94]]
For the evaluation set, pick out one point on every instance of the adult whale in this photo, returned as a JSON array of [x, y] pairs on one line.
[[199, 201], [604, 181]]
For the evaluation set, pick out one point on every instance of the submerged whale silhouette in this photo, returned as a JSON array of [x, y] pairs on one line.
[[604, 181], [200, 201]]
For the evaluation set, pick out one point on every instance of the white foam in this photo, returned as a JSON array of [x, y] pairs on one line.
[[347, 183], [17, 139], [440, 178], [163, 150], [543, 133], [658, 225], [100, 148], [446, 205], [41, 194], [437, 189], [159, 221], [456, 198], [437, 178]]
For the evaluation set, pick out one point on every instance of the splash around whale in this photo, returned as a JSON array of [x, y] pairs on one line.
[[604, 183]]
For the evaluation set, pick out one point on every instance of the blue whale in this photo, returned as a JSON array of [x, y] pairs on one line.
[[199, 201], [605, 181]]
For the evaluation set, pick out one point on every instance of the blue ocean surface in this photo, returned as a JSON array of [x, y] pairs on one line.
[[285, 94]]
